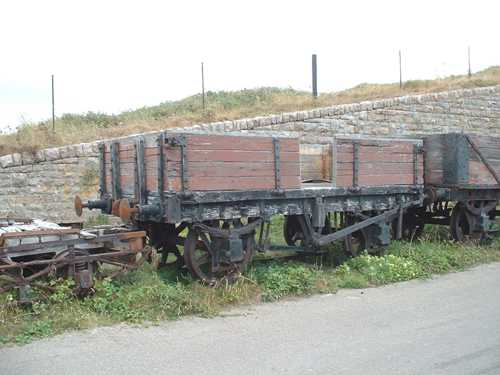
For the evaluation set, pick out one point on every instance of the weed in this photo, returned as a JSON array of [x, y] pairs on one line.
[[99, 219], [150, 295], [89, 177], [279, 280], [384, 269], [35, 329]]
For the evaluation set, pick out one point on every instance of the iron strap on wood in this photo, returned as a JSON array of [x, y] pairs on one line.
[[333, 166], [184, 163], [483, 159], [115, 170], [161, 167], [277, 163], [141, 171], [355, 164], [102, 169], [136, 176], [415, 164]]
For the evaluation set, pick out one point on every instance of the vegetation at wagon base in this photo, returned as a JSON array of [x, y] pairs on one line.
[[150, 296], [221, 106]]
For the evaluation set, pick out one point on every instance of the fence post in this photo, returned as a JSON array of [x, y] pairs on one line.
[[202, 86], [469, 73], [314, 76], [400, 72], [53, 112]]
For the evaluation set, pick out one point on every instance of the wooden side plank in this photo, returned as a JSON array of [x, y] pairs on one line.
[[380, 162]]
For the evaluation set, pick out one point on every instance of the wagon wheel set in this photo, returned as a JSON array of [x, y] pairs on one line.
[[222, 249], [211, 250], [472, 220], [23, 266]]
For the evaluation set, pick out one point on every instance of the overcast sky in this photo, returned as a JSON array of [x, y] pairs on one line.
[[112, 56]]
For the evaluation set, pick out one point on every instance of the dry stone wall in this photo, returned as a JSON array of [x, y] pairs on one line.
[[43, 184]]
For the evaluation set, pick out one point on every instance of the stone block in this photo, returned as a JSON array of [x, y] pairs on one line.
[[6, 161], [17, 159], [52, 154]]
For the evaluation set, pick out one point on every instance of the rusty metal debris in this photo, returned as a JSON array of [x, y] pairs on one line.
[[31, 250]]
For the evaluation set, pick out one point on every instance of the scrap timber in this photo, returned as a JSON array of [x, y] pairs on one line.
[[33, 249]]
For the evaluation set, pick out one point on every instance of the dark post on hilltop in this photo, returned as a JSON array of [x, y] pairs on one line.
[[202, 86], [314, 76], [53, 112]]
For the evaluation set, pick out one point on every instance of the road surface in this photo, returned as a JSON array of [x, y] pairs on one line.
[[448, 325]]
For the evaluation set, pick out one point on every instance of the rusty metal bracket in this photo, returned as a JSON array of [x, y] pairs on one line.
[[102, 170], [161, 170], [415, 164], [115, 170], [141, 171], [355, 164], [333, 165], [277, 163]]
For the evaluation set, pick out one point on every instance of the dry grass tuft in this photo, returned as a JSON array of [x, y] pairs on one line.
[[222, 106]]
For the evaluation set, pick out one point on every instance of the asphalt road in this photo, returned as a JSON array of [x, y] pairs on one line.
[[448, 325]]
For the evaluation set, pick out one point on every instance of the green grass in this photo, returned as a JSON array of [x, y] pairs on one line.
[[99, 219], [150, 295], [221, 106]]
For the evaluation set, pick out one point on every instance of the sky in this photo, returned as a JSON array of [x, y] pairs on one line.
[[110, 56]]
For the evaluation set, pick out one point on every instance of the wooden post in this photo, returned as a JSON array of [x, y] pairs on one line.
[[314, 76], [468, 58], [202, 86], [53, 112], [400, 72]]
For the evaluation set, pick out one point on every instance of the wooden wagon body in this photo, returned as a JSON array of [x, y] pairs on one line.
[[137, 166], [144, 167]]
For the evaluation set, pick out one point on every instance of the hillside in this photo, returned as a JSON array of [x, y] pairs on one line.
[[71, 128]]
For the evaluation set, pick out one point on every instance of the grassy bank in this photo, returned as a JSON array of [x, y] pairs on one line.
[[149, 295], [72, 128]]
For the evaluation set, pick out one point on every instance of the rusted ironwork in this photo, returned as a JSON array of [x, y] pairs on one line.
[[28, 254]]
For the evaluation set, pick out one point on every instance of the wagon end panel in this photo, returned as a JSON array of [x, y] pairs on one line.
[[484, 161], [460, 159]]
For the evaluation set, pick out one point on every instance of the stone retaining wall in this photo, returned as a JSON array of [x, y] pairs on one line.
[[43, 184]]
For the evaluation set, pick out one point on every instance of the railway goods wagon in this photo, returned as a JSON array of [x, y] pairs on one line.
[[462, 183], [223, 190]]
